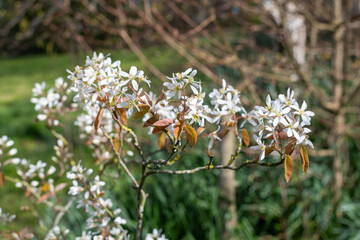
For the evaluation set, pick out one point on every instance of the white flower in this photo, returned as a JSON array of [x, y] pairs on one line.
[[84, 236], [75, 189], [305, 115], [260, 146], [120, 221], [175, 88], [213, 136], [155, 235], [96, 187]]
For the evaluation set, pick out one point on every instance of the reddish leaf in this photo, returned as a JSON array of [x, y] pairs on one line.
[[161, 140], [178, 128], [122, 114], [2, 179], [45, 197], [191, 135], [60, 186], [200, 130], [151, 120], [246, 137], [148, 98], [143, 110], [98, 118], [289, 167], [163, 123], [157, 130], [161, 97], [290, 147], [304, 158]]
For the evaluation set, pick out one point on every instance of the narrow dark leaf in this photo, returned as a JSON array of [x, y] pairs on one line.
[[304, 158], [246, 137], [289, 167], [99, 118], [2, 179]]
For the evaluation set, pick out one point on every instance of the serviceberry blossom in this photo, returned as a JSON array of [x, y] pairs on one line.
[[278, 118], [100, 222], [213, 137], [50, 103], [7, 151], [226, 101], [261, 146], [104, 83], [155, 235]]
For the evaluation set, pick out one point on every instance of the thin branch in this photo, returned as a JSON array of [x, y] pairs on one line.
[[194, 170]]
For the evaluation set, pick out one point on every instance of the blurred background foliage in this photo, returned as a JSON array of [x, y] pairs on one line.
[[40, 39]]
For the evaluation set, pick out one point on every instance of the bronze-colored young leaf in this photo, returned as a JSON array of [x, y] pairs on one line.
[[290, 147], [161, 140], [191, 135], [122, 114], [148, 98], [163, 123], [269, 150], [2, 179], [157, 130], [143, 110], [161, 97], [60, 187], [289, 167], [304, 158], [246, 137], [98, 118], [45, 197], [178, 128], [200, 130], [151, 120]]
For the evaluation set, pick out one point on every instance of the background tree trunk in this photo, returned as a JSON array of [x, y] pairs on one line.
[[227, 184]]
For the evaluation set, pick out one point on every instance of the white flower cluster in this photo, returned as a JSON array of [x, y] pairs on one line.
[[281, 119], [226, 101], [191, 107], [7, 151], [102, 82], [100, 221], [6, 217], [39, 178], [50, 102], [155, 235], [57, 233]]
